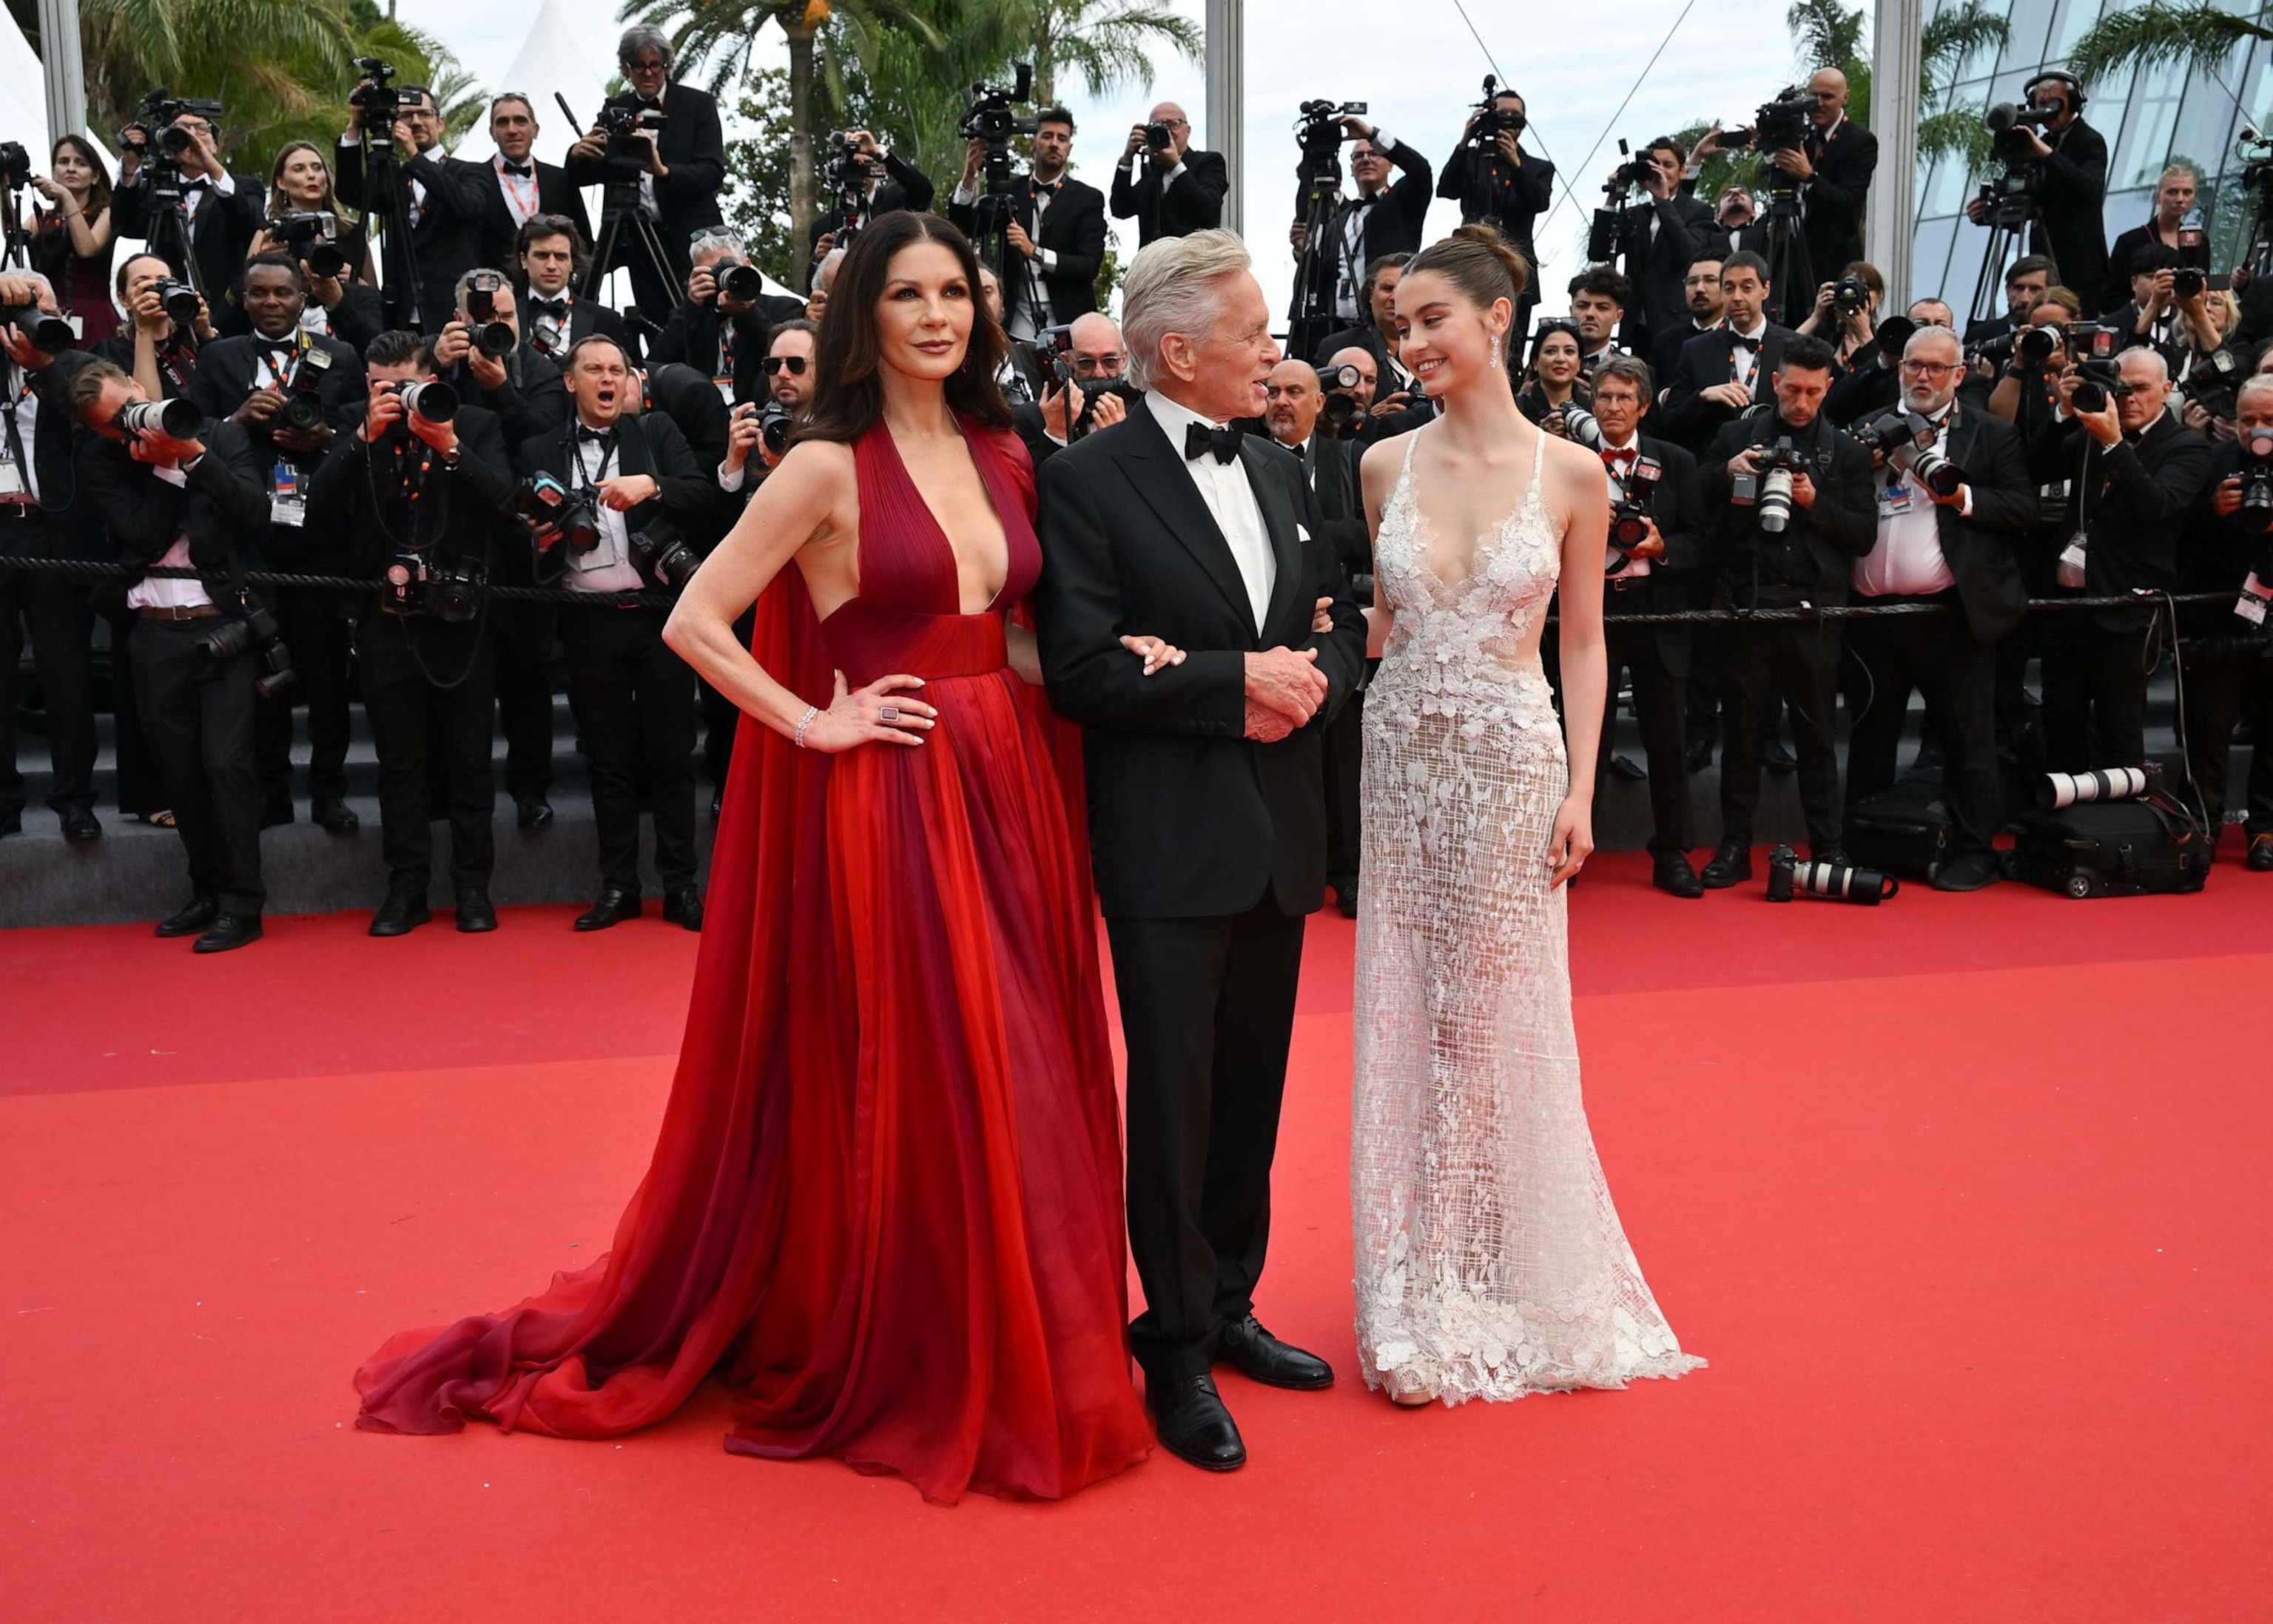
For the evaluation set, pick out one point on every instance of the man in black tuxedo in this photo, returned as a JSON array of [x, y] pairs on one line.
[[1207, 820], [675, 176], [43, 517], [2025, 283], [2069, 162], [2228, 654], [1658, 237], [1833, 168], [1504, 186], [1169, 189], [548, 255], [1735, 227], [443, 199], [225, 209], [1295, 420], [1656, 577], [1700, 289], [718, 331], [1830, 525], [195, 504], [884, 182], [418, 498], [1955, 550], [2142, 473], [1722, 372], [1381, 218], [261, 381], [1056, 259], [1598, 304], [634, 698], [522, 186], [522, 385]]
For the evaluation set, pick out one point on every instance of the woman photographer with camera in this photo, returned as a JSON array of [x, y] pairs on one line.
[[72, 240], [300, 183], [1846, 313], [1556, 387]]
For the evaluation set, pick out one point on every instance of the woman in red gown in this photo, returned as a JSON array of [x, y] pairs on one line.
[[886, 1204]]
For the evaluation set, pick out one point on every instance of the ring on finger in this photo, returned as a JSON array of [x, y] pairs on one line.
[[889, 713]]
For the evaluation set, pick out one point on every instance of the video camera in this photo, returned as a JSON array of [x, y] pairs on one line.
[[418, 583], [555, 515], [1779, 125], [493, 338], [1318, 126], [624, 125], [155, 116], [987, 116], [1769, 486], [1490, 122], [1629, 515], [257, 634], [312, 235], [377, 101]]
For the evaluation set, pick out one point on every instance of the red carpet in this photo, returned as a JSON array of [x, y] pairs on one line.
[[1975, 1236]]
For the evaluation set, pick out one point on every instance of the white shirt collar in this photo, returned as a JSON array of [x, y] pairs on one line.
[[1754, 337], [1633, 445], [1174, 416]]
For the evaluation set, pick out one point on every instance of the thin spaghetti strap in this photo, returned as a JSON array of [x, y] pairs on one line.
[[1409, 441]]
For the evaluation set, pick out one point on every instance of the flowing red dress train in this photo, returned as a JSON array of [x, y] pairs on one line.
[[886, 1201]]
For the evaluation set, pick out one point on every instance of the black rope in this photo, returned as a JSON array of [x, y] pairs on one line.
[[90, 570]]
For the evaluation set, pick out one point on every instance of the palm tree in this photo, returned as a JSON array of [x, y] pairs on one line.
[[276, 63], [2196, 34], [1104, 42]]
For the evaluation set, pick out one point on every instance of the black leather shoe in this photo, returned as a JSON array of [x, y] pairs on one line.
[[1628, 768], [201, 912], [1731, 865], [276, 815], [682, 905], [615, 905], [336, 815], [1257, 1355], [80, 826], [1346, 899], [475, 914], [1777, 758], [230, 931], [1193, 1424], [403, 912], [2260, 859], [1831, 852], [1699, 756], [533, 811], [1973, 872], [1673, 874]]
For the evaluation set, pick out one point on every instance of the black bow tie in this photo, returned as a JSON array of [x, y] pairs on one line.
[[648, 105], [558, 309], [1200, 441], [594, 436], [522, 169], [1051, 187]]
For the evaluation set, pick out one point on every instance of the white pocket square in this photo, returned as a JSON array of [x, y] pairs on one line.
[[1300, 534]]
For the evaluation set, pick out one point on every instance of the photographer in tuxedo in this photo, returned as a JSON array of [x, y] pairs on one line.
[[890, 183], [634, 698], [200, 643], [721, 332], [1658, 239], [1164, 185], [1700, 289], [225, 209], [289, 390], [679, 169], [443, 199], [1833, 168], [1207, 816], [2025, 283], [2067, 162], [1655, 576], [1957, 551], [1724, 371], [1381, 218], [1057, 230], [2228, 657], [549, 252], [1494, 180], [521, 384], [522, 188], [415, 498]]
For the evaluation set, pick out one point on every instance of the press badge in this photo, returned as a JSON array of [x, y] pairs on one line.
[[2070, 572], [1895, 499], [288, 502], [726, 387], [12, 479], [2255, 598]]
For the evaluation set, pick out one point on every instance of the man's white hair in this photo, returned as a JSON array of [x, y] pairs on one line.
[[1933, 332], [2147, 352], [1176, 285], [2257, 383], [825, 273]]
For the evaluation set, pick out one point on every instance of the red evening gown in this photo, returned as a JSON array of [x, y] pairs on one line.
[[886, 1202]]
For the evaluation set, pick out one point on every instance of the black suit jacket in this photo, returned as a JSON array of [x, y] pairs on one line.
[[66, 526], [1392, 224], [1979, 550], [1656, 266], [904, 187], [532, 400], [2218, 555], [2114, 291], [1706, 360], [2136, 499], [1126, 542], [1330, 468], [1524, 193], [1832, 201], [556, 194], [690, 400], [229, 369], [223, 508], [586, 317], [1073, 229], [649, 444], [1192, 203], [459, 513], [2071, 186], [446, 238], [220, 233], [1682, 579], [693, 147], [1841, 527], [1665, 354], [692, 336]]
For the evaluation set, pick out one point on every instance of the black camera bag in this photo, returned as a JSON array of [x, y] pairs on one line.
[[1905, 830], [2148, 847]]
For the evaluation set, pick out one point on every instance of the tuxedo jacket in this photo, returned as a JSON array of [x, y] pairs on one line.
[[358, 318], [1193, 202], [693, 147], [1525, 192], [1393, 222], [67, 526], [694, 335], [1073, 229], [446, 230], [1979, 550], [1656, 263], [1682, 580], [1708, 359], [690, 400], [1842, 527], [1330, 468], [223, 508], [1665, 354], [220, 233], [229, 369], [531, 401], [2135, 497], [357, 499], [1128, 541], [904, 187], [586, 317], [2070, 224], [1752, 238], [1832, 201], [556, 194], [648, 443]]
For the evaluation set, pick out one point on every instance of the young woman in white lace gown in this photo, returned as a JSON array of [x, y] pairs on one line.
[[1490, 1261]]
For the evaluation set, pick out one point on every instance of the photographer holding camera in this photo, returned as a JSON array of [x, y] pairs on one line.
[[2228, 651], [412, 486], [550, 252], [484, 355], [1793, 497], [2064, 173], [640, 481], [1657, 239], [440, 196], [1056, 228], [290, 390], [525, 187], [1164, 185], [1494, 180], [2175, 191], [721, 329], [167, 323], [1724, 373], [1383, 217], [875, 181], [224, 209], [1557, 387], [1086, 387], [1833, 168], [2170, 308], [681, 160], [762, 430], [2025, 283], [2133, 475], [179, 493], [1846, 313]]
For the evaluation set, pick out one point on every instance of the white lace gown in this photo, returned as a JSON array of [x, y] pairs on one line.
[[1490, 1261]]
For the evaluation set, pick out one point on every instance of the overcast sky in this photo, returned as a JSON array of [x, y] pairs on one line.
[[1413, 61]]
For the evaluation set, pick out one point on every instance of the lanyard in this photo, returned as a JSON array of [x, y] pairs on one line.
[[519, 195], [576, 450], [279, 376]]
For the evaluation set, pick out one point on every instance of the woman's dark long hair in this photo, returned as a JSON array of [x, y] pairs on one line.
[[849, 391], [98, 190]]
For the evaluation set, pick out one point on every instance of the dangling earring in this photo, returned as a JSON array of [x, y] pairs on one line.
[[1494, 349]]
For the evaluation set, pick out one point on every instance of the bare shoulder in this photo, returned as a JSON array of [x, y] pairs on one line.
[[1568, 463], [1378, 469]]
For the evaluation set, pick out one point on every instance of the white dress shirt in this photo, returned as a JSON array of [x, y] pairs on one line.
[[1744, 354], [608, 567], [1907, 559], [28, 425], [1632, 567], [169, 591], [521, 200], [1230, 500], [222, 185]]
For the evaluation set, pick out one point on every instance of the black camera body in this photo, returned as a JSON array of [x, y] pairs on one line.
[[2026, 347], [1850, 296], [1342, 411], [50, 334], [256, 634], [663, 554], [303, 402], [738, 280], [154, 117], [418, 583], [313, 236], [1629, 515], [428, 398], [555, 515], [1780, 126], [2214, 383], [15, 166], [1900, 430], [376, 100], [2095, 346], [986, 115], [493, 338], [1491, 123], [2256, 513], [775, 423], [1318, 125], [1768, 488], [1158, 138], [624, 126]]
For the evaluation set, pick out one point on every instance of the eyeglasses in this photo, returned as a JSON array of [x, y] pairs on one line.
[[1713, 280], [1099, 366], [1931, 369], [772, 364]]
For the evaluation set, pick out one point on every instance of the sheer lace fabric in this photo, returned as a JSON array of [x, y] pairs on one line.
[[1490, 1259]]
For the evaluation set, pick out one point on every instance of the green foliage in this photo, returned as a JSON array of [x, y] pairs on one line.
[[2158, 35], [756, 200]]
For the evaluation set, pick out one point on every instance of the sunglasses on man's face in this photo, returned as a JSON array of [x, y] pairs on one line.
[[775, 363]]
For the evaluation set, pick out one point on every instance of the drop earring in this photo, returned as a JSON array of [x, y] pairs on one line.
[[1494, 349]]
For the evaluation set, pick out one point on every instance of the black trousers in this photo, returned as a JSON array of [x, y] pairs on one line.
[[53, 613], [635, 703], [1764, 665], [1208, 1005], [321, 640], [140, 789], [416, 724], [1659, 700], [199, 719], [522, 635], [2095, 693], [1342, 750], [2223, 683], [1938, 656]]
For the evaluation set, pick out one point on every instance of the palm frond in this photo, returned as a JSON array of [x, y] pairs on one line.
[[2155, 35]]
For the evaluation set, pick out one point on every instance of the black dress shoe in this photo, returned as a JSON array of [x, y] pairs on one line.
[[276, 814], [229, 930], [1627, 767], [1257, 1355], [1673, 873], [475, 914], [201, 912], [403, 912], [1831, 852], [1699, 756], [2260, 859], [615, 905], [80, 825], [336, 815], [1777, 758], [682, 905], [1193, 1424], [533, 811], [1972, 871], [1731, 865], [1346, 899]]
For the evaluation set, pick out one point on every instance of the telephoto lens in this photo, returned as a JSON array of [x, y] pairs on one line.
[[1775, 500], [48, 333], [2056, 791], [431, 399], [740, 282], [1579, 427], [176, 419]]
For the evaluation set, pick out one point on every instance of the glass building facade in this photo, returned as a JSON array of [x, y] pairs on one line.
[[2151, 119]]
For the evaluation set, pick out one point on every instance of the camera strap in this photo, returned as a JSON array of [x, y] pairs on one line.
[[270, 373], [171, 354], [15, 478]]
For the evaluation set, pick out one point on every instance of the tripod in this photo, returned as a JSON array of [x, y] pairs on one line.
[[1789, 275], [619, 206], [1311, 314], [167, 233], [992, 214], [397, 266]]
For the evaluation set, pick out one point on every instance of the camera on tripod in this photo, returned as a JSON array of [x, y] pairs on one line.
[[303, 402], [1318, 126], [377, 103], [15, 166], [256, 634], [624, 125], [1899, 431], [313, 236], [1779, 125], [156, 117], [664, 555], [493, 338], [1769, 487], [555, 515], [1629, 517], [418, 583]]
